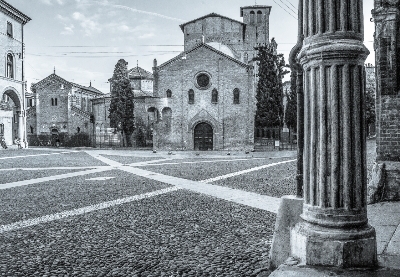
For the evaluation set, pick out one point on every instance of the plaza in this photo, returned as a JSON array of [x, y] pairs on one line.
[[88, 212]]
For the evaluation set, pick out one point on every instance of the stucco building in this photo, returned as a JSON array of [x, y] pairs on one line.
[[12, 80], [204, 98], [60, 106]]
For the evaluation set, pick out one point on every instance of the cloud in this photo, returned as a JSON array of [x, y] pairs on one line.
[[50, 2], [68, 30], [144, 36], [135, 10], [90, 25], [62, 18]]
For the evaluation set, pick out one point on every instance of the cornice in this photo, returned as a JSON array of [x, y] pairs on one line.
[[14, 13]]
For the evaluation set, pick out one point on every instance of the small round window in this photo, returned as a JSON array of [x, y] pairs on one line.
[[203, 80]]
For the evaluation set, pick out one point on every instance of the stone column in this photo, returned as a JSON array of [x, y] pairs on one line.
[[335, 229], [21, 125]]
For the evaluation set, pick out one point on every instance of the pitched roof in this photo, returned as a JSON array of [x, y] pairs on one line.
[[62, 80], [209, 15], [89, 88], [182, 54], [139, 73]]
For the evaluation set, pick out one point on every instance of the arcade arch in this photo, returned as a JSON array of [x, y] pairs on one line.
[[12, 115]]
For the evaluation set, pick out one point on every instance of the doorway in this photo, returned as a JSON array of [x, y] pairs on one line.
[[203, 137]]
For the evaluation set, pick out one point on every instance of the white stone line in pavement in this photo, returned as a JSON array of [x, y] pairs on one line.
[[80, 211], [103, 159], [144, 163], [251, 199], [243, 172], [53, 178], [213, 161], [53, 168], [15, 157]]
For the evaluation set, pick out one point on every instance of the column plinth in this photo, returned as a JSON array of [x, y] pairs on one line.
[[334, 230]]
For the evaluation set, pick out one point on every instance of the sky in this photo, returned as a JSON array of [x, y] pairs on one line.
[[84, 39]]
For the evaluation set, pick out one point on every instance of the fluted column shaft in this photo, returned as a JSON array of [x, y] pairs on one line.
[[334, 170], [334, 167]]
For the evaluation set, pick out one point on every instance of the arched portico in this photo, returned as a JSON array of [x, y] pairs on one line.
[[12, 115]]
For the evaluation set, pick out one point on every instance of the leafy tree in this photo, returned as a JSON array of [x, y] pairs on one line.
[[270, 88], [291, 106], [121, 106]]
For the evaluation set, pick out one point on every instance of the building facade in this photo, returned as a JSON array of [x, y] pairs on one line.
[[12, 80], [60, 107], [387, 59], [204, 98]]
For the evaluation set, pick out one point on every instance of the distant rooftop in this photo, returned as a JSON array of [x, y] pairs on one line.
[[139, 73]]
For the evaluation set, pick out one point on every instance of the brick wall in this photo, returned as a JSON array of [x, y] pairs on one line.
[[388, 128], [232, 123], [387, 48]]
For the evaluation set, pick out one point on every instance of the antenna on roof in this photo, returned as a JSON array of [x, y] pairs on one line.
[[137, 63], [54, 70], [90, 83]]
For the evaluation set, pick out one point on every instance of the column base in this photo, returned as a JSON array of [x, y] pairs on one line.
[[339, 247]]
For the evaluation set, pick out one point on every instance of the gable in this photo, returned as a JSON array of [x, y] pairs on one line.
[[207, 48], [196, 24], [50, 80]]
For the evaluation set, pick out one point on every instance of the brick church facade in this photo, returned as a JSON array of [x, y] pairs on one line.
[[204, 98], [59, 107]]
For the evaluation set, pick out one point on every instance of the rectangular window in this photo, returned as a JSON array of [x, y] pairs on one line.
[[9, 29]]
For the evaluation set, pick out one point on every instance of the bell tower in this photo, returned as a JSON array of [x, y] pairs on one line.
[[256, 19]]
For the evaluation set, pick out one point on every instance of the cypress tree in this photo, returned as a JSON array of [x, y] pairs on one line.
[[270, 87], [122, 105], [291, 106]]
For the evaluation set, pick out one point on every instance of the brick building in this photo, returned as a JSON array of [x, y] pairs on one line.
[[387, 53], [60, 107], [386, 16], [204, 98], [12, 80]]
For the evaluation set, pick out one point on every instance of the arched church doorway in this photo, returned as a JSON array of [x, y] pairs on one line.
[[54, 136], [203, 137]]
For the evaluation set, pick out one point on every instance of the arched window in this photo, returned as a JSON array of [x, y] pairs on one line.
[[10, 66], [252, 17], [191, 96], [169, 93], [52, 101], [167, 118], [236, 95], [1, 129], [78, 130], [31, 129], [259, 17], [214, 96], [55, 101]]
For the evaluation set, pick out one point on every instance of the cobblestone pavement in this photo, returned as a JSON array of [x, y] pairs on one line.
[[107, 213]]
